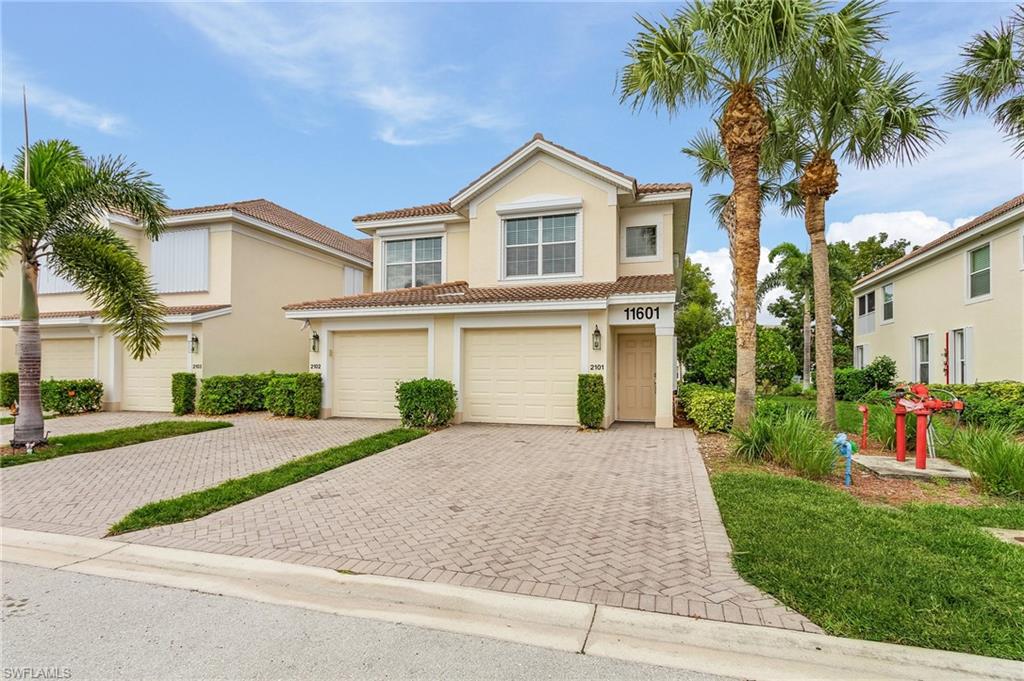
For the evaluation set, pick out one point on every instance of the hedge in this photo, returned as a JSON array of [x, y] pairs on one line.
[[710, 409], [853, 384], [71, 396], [232, 394], [997, 404], [590, 400], [183, 392], [713, 360], [8, 388], [425, 402], [308, 394], [280, 396]]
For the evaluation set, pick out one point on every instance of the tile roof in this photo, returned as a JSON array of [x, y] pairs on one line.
[[1001, 209], [460, 293], [171, 310], [279, 216], [445, 207]]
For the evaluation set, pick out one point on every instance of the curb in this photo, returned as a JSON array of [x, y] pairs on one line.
[[737, 650]]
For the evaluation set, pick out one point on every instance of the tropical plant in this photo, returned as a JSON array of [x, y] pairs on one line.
[[698, 311], [841, 99], [730, 54], [991, 78], [52, 210], [793, 271]]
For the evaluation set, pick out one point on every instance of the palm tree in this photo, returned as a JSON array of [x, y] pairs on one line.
[[56, 217], [794, 272], [992, 78], [728, 53], [841, 99]]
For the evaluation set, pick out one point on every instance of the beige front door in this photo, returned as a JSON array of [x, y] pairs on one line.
[[636, 367]]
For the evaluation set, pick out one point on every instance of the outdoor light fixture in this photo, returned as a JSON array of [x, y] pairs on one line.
[[597, 338], [193, 344], [314, 342]]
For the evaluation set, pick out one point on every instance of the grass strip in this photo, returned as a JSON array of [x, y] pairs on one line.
[[64, 445], [231, 492], [8, 420], [921, 574]]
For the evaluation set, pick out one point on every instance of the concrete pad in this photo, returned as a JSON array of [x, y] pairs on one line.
[[560, 625], [1015, 537], [889, 467], [44, 549], [776, 654]]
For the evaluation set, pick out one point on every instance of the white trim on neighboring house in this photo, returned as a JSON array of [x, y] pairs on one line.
[[968, 300]]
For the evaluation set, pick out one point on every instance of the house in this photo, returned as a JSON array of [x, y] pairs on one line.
[[546, 266], [951, 311], [223, 271]]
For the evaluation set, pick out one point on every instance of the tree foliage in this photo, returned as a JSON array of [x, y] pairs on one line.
[[699, 311]]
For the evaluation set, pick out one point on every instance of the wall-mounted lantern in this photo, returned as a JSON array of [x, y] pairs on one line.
[[597, 337], [314, 342], [193, 344]]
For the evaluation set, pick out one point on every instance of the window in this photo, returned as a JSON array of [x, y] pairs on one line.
[[959, 358], [921, 363], [353, 281], [858, 357], [979, 264], [866, 304], [540, 246], [180, 261], [887, 303], [642, 242], [412, 262]]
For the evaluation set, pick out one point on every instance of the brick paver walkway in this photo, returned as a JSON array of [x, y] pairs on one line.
[[85, 494], [624, 517]]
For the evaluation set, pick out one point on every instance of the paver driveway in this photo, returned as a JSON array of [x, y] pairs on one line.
[[624, 517], [85, 494]]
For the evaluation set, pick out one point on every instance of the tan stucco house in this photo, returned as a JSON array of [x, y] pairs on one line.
[[546, 266], [951, 311], [223, 271]]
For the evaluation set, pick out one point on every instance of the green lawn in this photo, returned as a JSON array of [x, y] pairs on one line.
[[8, 420], [63, 445], [922, 575], [204, 502]]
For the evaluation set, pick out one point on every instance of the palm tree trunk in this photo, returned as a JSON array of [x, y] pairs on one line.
[[807, 341], [28, 424], [814, 219]]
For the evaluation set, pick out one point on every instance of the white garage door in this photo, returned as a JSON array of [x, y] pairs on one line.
[[147, 384], [68, 358], [366, 366], [521, 375]]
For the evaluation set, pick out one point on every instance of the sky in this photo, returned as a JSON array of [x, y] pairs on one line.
[[334, 110]]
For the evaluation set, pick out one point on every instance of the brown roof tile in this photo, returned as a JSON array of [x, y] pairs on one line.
[[279, 216], [459, 293], [951, 234], [171, 310], [440, 208], [662, 187]]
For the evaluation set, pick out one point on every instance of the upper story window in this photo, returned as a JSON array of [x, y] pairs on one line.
[[979, 272], [887, 303], [412, 262], [540, 246], [642, 241], [866, 304], [51, 282], [180, 261]]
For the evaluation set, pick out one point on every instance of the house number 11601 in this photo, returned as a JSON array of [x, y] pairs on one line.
[[634, 314]]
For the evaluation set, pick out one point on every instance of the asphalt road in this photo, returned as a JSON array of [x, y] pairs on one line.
[[69, 626]]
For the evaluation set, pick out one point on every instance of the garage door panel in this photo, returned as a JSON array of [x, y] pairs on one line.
[[523, 375], [147, 383], [366, 366], [67, 358]]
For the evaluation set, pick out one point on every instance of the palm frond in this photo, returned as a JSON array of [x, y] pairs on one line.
[[707, 150], [22, 215]]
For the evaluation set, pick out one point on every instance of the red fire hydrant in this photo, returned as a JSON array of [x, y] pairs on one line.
[[901, 432], [863, 409]]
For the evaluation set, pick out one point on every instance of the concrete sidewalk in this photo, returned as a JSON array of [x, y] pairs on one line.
[[692, 644]]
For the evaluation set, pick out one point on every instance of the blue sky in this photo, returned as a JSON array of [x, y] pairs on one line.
[[338, 109]]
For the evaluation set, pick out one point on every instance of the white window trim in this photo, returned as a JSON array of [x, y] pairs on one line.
[[968, 300], [881, 316], [914, 365], [383, 274], [863, 356], [659, 228], [867, 313], [540, 228]]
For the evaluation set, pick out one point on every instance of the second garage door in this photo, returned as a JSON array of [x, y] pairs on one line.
[[68, 358], [521, 375], [147, 384], [366, 366]]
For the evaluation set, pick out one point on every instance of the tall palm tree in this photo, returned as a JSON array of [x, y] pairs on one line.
[[728, 53], [794, 272], [992, 78], [841, 99], [56, 217]]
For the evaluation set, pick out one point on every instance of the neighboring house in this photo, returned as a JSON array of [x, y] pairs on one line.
[[951, 311], [546, 266], [223, 271]]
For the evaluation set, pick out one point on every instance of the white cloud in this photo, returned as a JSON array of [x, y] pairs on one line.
[[912, 225], [364, 54], [720, 266], [61, 106]]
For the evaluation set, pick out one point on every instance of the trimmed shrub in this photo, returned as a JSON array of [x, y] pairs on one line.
[[308, 394], [279, 396], [8, 388], [183, 392], [851, 384], [998, 404], [71, 396], [791, 390], [713, 361], [881, 372], [232, 394], [425, 402], [710, 409], [796, 441], [995, 458], [590, 400]]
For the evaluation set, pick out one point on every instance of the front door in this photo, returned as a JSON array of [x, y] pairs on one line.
[[636, 365]]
